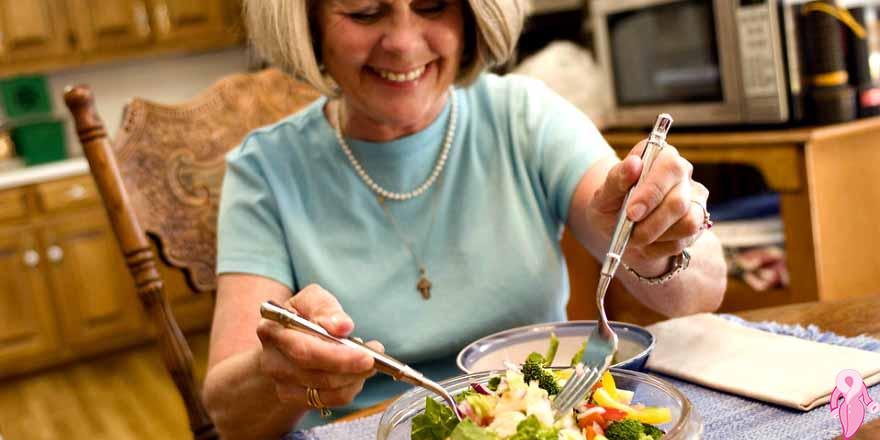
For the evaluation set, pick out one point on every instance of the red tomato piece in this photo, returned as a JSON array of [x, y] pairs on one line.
[[613, 415]]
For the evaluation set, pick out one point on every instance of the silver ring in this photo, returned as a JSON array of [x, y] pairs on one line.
[[707, 218]]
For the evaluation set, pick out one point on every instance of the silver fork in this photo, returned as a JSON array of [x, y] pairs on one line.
[[575, 389], [384, 363], [602, 342]]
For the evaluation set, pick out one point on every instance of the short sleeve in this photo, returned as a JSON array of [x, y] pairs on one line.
[[564, 141], [250, 237]]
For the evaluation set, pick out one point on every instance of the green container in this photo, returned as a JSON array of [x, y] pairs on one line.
[[40, 141], [25, 96]]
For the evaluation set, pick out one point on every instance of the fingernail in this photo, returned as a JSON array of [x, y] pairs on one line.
[[364, 363], [636, 212], [336, 319]]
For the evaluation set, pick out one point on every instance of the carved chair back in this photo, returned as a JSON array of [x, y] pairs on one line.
[[161, 177]]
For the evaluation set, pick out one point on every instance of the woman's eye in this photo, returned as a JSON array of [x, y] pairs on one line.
[[366, 16], [431, 7]]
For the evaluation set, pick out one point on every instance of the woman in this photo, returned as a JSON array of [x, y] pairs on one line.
[[421, 200]]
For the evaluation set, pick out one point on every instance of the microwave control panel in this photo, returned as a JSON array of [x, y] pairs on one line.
[[761, 60], [758, 61]]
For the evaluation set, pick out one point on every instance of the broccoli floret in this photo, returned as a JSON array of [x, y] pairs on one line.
[[535, 357], [533, 369], [653, 431], [494, 382], [629, 429], [626, 429]]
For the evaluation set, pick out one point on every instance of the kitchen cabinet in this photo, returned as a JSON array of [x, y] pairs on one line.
[[47, 35], [183, 19], [91, 286], [27, 326], [65, 292], [110, 25], [32, 30]]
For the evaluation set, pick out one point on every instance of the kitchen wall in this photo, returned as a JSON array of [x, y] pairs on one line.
[[165, 80]]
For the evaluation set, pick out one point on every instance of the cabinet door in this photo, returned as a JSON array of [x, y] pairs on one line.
[[107, 25], [97, 302], [32, 30], [27, 322], [176, 19]]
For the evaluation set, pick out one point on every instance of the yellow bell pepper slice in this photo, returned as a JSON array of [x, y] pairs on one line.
[[650, 414], [625, 397], [609, 385], [603, 398]]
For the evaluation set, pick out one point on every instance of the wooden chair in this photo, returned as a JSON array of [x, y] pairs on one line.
[[161, 178]]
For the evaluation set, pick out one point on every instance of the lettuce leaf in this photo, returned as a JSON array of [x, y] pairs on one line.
[[576, 359], [551, 350], [531, 429], [436, 423], [467, 430]]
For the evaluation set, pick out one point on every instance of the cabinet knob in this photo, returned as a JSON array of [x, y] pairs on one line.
[[31, 258], [76, 192], [55, 254]]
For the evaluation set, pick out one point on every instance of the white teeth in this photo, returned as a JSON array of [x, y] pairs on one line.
[[401, 77]]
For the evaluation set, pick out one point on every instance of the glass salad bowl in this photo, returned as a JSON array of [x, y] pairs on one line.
[[686, 424]]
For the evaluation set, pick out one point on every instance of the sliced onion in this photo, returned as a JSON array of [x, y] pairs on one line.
[[465, 410], [589, 411], [480, 389]]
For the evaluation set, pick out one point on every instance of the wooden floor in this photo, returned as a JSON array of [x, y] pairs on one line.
[[123, 396]]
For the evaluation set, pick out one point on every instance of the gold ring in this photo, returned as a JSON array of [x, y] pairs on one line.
[[707, 218], [315, 401]]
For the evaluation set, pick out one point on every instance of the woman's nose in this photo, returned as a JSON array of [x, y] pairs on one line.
[[403, 35]]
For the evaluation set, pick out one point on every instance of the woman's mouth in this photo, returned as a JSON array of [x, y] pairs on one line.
[[401, 77]]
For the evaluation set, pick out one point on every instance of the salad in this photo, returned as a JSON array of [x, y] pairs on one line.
[[516, 405]]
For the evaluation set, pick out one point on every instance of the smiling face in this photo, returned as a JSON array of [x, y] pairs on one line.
[[393, 60]]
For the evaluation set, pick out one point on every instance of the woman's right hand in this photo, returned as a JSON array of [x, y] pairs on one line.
[[296, 361]]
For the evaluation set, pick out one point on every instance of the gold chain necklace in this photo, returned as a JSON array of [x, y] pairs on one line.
[[424, 284]]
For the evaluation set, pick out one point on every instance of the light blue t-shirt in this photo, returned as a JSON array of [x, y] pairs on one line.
[[293, 209]]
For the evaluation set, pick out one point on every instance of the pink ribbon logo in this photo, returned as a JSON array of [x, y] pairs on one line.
[[851, 412]]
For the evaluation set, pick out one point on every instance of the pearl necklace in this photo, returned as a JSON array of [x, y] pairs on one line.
[[438, 167]]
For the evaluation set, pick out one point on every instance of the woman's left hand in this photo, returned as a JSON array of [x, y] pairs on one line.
[[668, 206]]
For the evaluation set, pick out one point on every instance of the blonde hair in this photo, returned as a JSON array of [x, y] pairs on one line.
[[283, 32]]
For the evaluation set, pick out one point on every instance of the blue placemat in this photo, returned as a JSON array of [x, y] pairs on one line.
[[725, 416], [360, 429]]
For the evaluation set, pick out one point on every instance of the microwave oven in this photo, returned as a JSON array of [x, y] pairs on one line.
[[706, 62]]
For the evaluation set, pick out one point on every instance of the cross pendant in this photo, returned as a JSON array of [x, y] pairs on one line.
[[424, 285]]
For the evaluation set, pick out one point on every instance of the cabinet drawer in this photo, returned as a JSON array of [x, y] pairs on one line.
[[13, 205], [62, 194]]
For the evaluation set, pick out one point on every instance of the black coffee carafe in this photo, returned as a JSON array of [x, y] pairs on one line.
[[864, 76]]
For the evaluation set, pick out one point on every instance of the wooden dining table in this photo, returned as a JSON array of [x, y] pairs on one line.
[[846, 317]]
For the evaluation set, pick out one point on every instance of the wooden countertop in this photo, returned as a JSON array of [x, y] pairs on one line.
[[15, 177], [723, 138]]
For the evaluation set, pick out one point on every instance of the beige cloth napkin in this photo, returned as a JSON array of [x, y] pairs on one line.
[[713, 352]]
